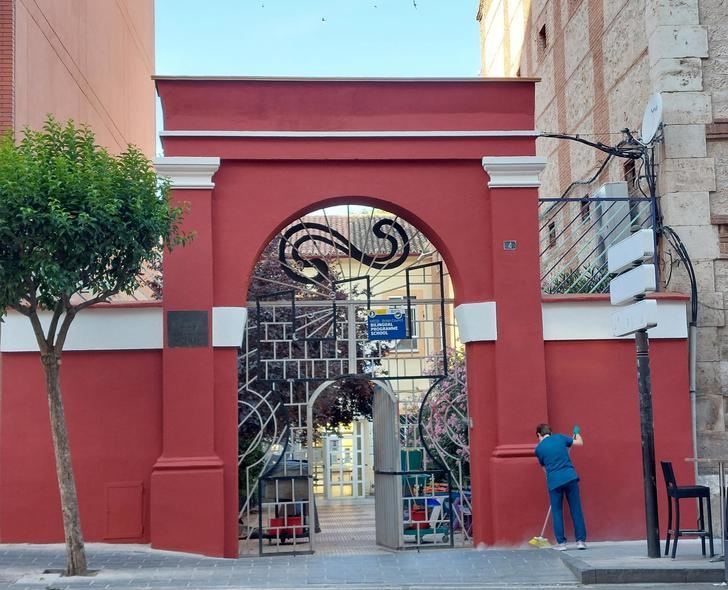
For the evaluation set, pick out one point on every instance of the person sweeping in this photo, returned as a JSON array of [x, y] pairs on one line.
[[552, 453]]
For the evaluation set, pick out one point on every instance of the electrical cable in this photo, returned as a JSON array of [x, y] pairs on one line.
[[633, 148], [679, 247], [588, 181]]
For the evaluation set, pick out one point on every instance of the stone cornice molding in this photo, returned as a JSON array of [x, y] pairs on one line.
[[188, 172], [513, 171]]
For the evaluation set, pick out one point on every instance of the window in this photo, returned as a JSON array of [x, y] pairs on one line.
[[630, 175], [584, 210], [633, 190], [552, 233], [543, 42], [406, 344]]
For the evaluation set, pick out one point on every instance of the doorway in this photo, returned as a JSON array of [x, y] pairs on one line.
[[346, 302]]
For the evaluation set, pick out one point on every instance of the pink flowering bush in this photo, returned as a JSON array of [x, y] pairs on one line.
[[445, 415]]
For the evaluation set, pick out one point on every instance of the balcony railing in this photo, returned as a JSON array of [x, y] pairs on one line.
[[575, 233]]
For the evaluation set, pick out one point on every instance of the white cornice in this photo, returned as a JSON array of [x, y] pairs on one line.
[[514, 171], [345, 134], [188, 172]]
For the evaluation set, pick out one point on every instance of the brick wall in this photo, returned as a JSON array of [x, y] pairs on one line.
[[599, 61], [7, 48]]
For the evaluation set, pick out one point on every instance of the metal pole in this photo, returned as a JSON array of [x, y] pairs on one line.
[[648, 443]]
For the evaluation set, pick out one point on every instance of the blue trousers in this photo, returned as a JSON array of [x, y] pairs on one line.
[[571, 491]]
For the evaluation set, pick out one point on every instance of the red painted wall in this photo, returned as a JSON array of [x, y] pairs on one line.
[[436, 183], [594, 384], [348, 104], [167, 419], [420, 194], [113, 411]]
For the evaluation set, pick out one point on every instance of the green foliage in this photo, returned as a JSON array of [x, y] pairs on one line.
[[445, 416], [585, 279], [76, 219]]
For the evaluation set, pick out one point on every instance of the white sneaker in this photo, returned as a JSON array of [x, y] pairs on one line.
[[580, 545], [560, 547]]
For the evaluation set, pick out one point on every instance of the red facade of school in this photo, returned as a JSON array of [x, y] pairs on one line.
[[154, 432]]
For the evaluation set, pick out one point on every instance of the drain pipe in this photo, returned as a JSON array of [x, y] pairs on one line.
[[692, 356]]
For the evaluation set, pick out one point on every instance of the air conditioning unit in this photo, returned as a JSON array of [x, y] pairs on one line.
[[616, 218]]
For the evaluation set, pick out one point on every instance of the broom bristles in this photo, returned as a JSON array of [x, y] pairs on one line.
[[539, 542]]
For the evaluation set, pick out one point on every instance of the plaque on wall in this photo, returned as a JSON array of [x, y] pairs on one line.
[[187, 329]]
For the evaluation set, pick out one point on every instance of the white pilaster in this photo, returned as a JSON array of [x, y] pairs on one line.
[[188, 172], [513, 171]]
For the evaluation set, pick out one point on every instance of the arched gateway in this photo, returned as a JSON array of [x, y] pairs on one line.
[[257, 154], [152, 391], [351, 326]]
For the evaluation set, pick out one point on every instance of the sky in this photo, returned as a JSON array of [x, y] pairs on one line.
[[343, 38]]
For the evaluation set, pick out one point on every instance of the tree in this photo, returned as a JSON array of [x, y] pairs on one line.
[[76, 227]]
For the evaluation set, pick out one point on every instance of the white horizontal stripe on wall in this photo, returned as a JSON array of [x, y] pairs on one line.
[[141, 328], [578, 320], [120, 328]]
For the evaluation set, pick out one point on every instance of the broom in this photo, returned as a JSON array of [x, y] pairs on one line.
[[541, 541]]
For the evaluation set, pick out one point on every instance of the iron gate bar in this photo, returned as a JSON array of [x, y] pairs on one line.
[[374, 302], [431, 472], [443, 326], [588, 230], [352, 280], [305, 339], [592, 250], [566, 200], [290, 370]]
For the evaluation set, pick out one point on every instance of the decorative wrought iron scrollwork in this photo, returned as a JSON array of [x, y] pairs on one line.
[[294, 262]]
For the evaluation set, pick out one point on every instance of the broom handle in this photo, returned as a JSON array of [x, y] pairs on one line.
[[548, 513]]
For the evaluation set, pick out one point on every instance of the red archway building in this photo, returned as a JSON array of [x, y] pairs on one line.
[[453, 157]]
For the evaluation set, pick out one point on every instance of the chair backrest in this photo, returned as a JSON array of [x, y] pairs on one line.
[[669, 474]]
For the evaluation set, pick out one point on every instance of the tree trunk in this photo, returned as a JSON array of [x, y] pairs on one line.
[[76, 554]]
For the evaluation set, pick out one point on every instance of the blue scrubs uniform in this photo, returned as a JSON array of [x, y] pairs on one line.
[[553, 454]]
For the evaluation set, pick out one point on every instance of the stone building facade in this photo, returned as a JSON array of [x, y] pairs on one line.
[[88, 60], [599, 62]]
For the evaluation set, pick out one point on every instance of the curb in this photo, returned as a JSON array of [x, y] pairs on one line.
[[586, 573]]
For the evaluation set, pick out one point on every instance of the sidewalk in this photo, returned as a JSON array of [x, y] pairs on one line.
[[138, 566], [626, 562]]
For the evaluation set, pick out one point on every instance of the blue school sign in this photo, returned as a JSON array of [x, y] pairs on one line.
[[386, 326]]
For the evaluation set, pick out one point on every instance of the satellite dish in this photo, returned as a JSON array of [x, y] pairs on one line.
[[651, 119]]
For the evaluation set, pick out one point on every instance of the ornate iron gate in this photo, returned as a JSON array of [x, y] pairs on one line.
[[308, 335]]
